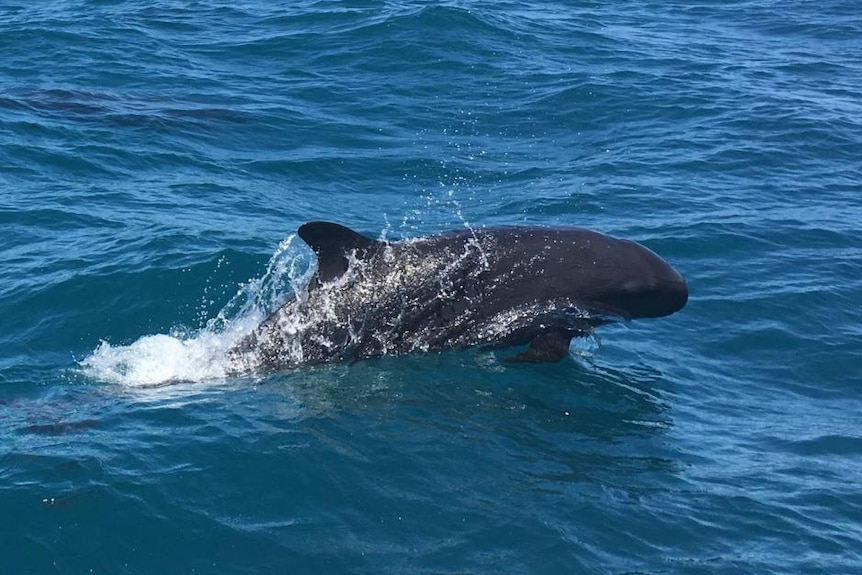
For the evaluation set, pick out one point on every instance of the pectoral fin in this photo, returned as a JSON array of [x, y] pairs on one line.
[[546, 347]]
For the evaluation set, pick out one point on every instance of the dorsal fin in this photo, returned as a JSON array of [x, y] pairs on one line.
[[332, 243]]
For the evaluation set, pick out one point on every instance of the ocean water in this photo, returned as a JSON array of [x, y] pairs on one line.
[[157, 157]]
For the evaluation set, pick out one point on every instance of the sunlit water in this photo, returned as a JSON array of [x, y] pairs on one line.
[[157, 158]]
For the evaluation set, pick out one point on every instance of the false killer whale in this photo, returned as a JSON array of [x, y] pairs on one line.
[[491, 287]]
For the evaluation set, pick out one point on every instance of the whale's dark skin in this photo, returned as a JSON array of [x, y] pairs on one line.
[[493, 287]]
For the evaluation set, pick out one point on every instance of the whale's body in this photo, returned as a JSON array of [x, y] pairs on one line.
[[486, 287]]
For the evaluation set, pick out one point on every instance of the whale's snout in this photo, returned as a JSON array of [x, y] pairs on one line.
[[653, 288]]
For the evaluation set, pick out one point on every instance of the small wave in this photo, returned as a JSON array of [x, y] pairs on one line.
[[157, 359], [160, 359]]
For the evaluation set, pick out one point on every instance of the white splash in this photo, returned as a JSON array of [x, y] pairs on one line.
[[159, 359]]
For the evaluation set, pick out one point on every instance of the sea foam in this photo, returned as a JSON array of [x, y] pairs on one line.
[[203, 355]]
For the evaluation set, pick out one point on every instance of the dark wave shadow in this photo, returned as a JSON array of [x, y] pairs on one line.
[[551, 425]]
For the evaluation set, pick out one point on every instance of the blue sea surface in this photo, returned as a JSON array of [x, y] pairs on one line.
[[157, 157]]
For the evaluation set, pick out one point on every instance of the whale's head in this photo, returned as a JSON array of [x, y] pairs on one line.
[[608, 275], [637, 283]]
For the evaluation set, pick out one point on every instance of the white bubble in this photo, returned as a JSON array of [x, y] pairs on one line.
[[203, 356], [156, 359]]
